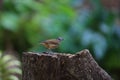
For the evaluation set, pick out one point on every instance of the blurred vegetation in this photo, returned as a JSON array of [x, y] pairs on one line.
[[9, 67], [24, 23]]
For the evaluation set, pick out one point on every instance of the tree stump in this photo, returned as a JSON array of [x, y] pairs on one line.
[[60, 66]]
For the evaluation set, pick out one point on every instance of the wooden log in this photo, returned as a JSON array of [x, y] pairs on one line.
[[61, 66]]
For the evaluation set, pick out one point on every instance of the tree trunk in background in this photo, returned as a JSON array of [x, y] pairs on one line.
[[1, 3], [112, 4], [57, 66]]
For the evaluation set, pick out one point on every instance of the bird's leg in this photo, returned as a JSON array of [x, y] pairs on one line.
[[50, 51]]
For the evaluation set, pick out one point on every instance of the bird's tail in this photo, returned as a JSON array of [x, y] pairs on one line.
[[42, 43]]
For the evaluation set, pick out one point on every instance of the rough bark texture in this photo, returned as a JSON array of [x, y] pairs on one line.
[[57, 66]]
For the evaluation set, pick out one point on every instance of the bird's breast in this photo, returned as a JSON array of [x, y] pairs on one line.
[[53, 46]]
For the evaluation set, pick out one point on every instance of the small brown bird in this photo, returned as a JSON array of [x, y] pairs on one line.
[[52, 43]]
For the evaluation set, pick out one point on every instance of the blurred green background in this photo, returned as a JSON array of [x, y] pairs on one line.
[[84, 24]]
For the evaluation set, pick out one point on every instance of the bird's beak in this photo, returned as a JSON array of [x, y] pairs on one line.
[[62, 39]]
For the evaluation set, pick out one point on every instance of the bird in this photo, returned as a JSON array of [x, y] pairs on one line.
[[52, 43]]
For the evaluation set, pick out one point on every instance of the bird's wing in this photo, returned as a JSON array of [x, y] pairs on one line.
[[52, 41]]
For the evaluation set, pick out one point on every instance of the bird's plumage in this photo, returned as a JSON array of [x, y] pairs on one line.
[[51, 43]]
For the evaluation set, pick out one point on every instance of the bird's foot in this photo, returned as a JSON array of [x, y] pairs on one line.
[[48, 52]]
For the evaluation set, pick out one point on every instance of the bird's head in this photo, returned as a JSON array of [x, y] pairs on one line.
[[60, 38]]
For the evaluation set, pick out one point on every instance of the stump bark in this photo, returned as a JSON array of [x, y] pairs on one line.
[[57, 66]]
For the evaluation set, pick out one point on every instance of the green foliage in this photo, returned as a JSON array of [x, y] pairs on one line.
[[9, 66], [27, 24]]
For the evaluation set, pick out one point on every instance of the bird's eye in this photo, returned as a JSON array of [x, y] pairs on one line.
[[60, 38]]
